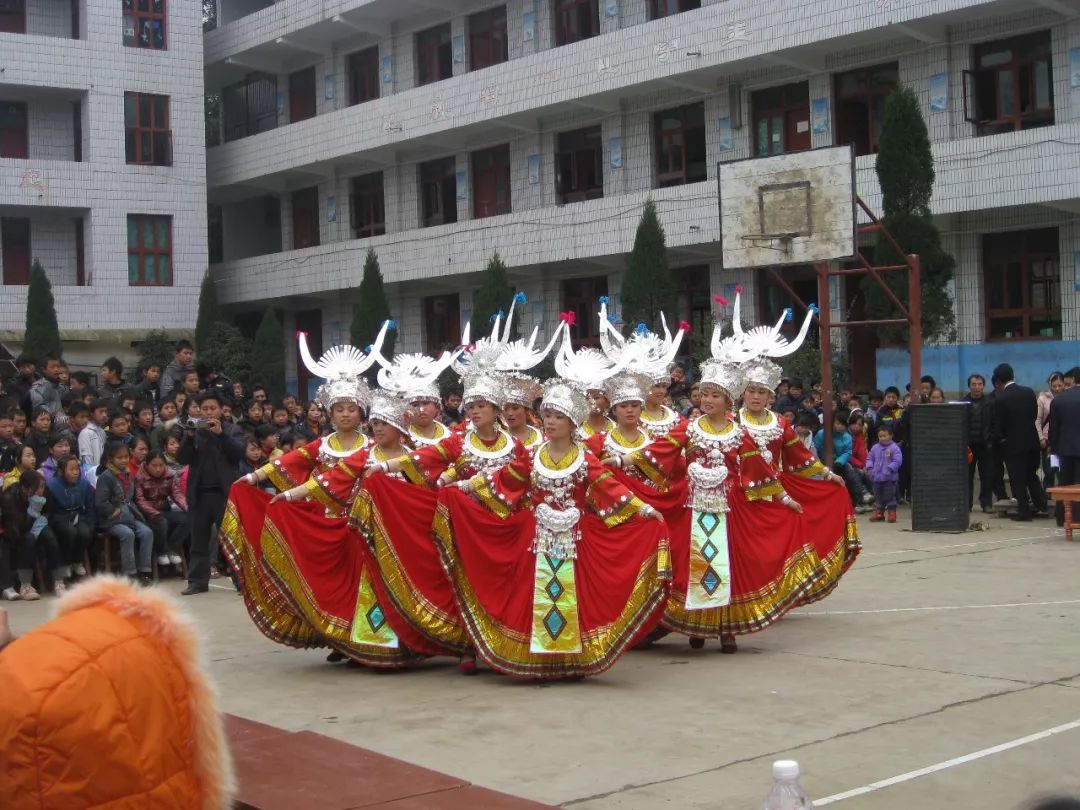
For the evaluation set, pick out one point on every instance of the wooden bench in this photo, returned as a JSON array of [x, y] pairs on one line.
[[1067, 495], [283, 770]]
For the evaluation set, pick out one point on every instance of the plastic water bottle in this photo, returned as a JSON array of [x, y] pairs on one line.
[[786, 793]]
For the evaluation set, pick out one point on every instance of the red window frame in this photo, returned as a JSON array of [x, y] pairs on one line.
[[487, 38], [579, 165], [147, 137], [438, 192], [13, 16], [576, 20], [305, 217], [15, 250], [580, 296], [860, 104], [302, 99], [145, 24], [666, 8], [1022, 278], [679, 140], [491, 182], [363, 70], [434, 54], [1007, 74], [14, 130], [367, 206], [150, 254], [783, 108]]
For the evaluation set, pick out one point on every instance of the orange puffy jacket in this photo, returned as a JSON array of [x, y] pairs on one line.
[[107, 705]]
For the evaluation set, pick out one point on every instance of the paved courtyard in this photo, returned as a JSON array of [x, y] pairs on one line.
[[935, 648]]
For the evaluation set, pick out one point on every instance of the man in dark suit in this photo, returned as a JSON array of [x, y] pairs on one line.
[[213, 449], [1064, 437], [1015, 411]]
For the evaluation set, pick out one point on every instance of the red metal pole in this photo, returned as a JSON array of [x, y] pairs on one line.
[[915, 329], [825, 332]]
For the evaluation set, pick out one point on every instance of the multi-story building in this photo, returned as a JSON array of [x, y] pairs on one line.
[[439, 133], [102, 168]]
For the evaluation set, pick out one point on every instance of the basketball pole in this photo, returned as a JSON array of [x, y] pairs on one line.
[[825, 340]]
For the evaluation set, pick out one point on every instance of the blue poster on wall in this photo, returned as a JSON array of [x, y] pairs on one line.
[[615, 148], [281, 104], [1074, 67], [611, 8], [819, 116], [331, 209], [328, 87], [939, 92], [458, 48], [534, 170], [528, 26], [727, 137], [462, 185], [387, 69]]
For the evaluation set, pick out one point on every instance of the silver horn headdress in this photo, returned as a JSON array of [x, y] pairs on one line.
[[342, 367]]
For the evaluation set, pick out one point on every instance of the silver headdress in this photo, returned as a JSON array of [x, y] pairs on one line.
[[578, 372], [414, 377], [761, 343], [342, 367], [724, 370], [644, 352], [627, 387], [390, 408]]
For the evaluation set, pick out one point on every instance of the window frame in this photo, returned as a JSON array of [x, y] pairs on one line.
[[567, 151], [130, 11], [1016, 248], [491, 40], [438, 182], [245, 93], [797, 102], [303, 95], [23, 132], [664, 144], [579, 295], [658, 9], [359, 78], [7, 225], [443, 312], [434, 46], [866, 95], [367, 193], [563, 13], [497, 173], [976, 78], [311, 215], [140, 249], [133, 133], [15, 19]]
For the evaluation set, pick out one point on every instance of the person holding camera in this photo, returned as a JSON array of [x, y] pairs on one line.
[[213, 449]]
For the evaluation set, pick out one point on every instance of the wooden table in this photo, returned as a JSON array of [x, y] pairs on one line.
[[1067, 495]]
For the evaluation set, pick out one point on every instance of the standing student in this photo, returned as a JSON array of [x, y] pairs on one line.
[[92, 437], [213, 452], [172, 377], [980, 420], [883, 466], [1015, 411], [112, 379]]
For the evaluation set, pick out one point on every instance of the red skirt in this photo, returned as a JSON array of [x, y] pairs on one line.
[[619, 577], [830, 526]]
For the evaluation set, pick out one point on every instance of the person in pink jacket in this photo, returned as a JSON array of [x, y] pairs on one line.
[[161, 498]]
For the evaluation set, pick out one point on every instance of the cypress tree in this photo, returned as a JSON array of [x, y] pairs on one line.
[[493, 296], [42, 332], [209, 314], [371, 309], [905, 169], [647, 287], [268, 355]]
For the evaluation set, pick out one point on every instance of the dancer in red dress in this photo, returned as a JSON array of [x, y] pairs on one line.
[[557, 568]]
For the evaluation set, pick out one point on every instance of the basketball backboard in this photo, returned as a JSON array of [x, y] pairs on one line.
[[797, 208]]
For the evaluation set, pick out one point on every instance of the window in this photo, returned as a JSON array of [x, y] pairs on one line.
[[13, 16], [860, 105], [487, 38], [491, 181], [1023, 284], [149, 251], [781, 119], [694, 305], [250, 106], [15, 250], [580, 296], [579, 165], [576, 20], [366, 206], [680, 145], [302, 95], [665, 8], [76, 130], [14, 139], [438, 192], [434, 55], [1012, 85], [144, 24], [305, 212], [363, 70], [147, 137], [80, 251], [442, 323]]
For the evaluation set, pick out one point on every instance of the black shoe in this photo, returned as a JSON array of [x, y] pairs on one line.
[[193, 589], [1021, 518]]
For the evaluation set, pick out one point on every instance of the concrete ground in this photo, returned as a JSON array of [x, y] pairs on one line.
[[935, 647]]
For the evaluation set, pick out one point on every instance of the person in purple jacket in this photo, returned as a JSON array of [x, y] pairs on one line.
[[883, 467]]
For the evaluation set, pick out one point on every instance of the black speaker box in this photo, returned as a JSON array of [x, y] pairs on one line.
[[938, 445]]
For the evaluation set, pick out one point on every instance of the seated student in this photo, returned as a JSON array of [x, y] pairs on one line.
[[192, 411], [286, 442], [806, 426], [842, 446], [253, 416], [140, 449], [163, 502], [267, 437], [859, 451], [40, 437], [189, 383], [279, 418], [9, 445], [74, 423], [20, 424], [118, 515], [294, 409], [312, 425], [25, 461], [166, 420], [26, 530], [144, 420], [59, 448], [72, 514], [120, 428]]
